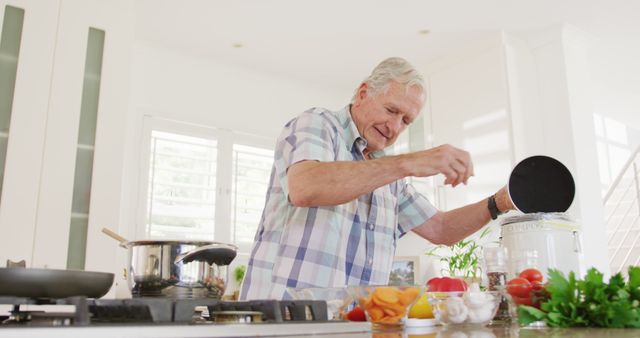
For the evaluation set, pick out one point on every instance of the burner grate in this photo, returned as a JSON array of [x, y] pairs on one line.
[[154, 310], [120, 313]]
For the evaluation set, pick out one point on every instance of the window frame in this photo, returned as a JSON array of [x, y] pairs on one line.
[[225, 140]]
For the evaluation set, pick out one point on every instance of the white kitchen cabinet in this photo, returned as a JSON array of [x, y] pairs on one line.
[[21, 183], [48, 203]]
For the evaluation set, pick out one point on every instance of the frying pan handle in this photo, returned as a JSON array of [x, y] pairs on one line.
[[20, 264]]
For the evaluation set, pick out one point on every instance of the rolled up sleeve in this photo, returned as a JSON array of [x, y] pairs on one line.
[[309, 137], [413, 208]]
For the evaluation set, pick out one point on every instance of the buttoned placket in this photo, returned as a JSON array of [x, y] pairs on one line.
[[371, 220]]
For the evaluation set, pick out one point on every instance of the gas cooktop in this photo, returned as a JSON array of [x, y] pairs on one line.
[[159, 317]]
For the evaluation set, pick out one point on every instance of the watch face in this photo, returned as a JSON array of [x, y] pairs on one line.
[[541, 184]]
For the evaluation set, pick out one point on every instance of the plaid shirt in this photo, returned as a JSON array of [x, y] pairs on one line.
[[347, 244]]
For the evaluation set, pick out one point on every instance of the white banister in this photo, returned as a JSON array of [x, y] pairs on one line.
[[623, 216]]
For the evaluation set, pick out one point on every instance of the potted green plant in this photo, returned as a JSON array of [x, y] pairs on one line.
[[463, 258], [238, 276]]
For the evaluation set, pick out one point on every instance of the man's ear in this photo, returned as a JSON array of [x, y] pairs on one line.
[[362, 93]]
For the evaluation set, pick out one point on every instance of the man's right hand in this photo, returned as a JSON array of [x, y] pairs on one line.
[[455, 164]]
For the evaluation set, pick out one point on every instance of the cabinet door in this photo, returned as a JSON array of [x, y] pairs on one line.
[[27, 123], [96, 204]]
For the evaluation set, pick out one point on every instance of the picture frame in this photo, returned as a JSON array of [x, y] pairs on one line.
[[405, 270]]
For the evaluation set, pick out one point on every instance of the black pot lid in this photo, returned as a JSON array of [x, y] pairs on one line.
[[541, 184]]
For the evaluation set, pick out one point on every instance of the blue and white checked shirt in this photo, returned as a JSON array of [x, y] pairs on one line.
[[348, 244]]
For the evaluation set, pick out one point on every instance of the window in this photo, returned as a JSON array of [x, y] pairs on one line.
[[203, 183], [251, 170], [614, 142], [182, 186]]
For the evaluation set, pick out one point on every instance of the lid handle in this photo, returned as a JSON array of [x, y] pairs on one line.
[[216, 253]]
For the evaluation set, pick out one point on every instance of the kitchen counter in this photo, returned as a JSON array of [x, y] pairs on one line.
[[344, 330], [509, 331]]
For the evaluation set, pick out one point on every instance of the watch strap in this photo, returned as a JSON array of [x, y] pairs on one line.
[[493, 207]]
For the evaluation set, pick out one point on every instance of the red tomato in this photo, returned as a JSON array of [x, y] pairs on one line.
[[537, 285], [356, 315], [532, 275], [446, 284], [522, 300], [433, 283], [519, 287], [538, 294]]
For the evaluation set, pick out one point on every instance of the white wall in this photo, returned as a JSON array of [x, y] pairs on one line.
[[200, 90], [614, 51]]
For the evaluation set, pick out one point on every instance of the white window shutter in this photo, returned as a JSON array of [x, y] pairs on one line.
[[182, 187], [250, 178]]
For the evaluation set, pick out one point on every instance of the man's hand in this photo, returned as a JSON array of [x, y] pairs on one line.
[[455, 164], [503, 201]]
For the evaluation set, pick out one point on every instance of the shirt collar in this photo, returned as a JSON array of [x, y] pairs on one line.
[[351, 133]]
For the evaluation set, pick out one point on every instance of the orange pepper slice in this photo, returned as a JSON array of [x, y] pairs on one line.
[[390, 320], [386, 295], [366, 301], [376, 313]]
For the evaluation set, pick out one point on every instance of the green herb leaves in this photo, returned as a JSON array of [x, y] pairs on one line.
[[588, 302], [463, 258]]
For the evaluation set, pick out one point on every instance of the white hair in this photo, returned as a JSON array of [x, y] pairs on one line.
[[392, 69]]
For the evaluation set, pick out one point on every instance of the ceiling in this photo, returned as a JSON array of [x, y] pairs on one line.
[[335, 43]]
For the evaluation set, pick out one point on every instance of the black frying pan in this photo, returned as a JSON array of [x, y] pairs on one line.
[[541, 184], [49, 283]]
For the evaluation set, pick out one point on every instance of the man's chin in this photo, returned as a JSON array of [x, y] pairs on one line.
[[375, 148]]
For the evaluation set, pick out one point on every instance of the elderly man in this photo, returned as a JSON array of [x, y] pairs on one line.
[[336, 205]]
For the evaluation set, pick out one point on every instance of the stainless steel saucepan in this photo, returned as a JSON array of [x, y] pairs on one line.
[[177, 268]]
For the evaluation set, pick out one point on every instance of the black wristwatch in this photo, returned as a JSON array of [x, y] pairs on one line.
[[493, 207]]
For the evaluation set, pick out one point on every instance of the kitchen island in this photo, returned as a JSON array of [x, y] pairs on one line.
[[344, 329], [509, 331]]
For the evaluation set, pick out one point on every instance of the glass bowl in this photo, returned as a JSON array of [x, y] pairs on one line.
[[386, 305], [339, 300], [469, 308]]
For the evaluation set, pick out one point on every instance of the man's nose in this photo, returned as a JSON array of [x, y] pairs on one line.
[[395, 124]]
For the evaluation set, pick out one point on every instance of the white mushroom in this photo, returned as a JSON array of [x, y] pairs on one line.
[[477, 299], [456, 310], [481, 315]]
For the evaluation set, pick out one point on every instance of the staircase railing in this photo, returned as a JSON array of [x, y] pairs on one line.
[[622, 216]]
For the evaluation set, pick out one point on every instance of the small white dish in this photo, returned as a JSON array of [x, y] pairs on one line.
[[417, 322]]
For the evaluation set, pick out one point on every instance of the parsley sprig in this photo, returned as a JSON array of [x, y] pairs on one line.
[[588, 302]]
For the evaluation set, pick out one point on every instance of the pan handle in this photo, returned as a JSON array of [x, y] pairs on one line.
[[20, 264], [123, 241]]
